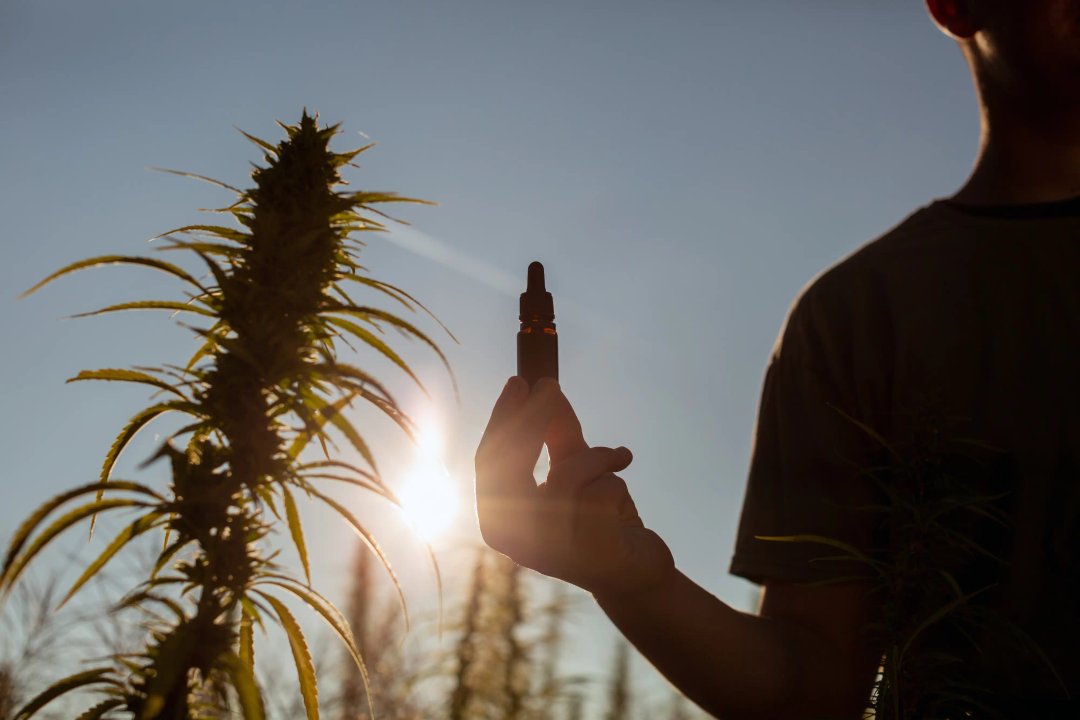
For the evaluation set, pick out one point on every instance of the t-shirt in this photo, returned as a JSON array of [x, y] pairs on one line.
[[950, 346]]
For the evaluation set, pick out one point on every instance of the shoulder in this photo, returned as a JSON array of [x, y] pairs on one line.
[[918, 239], [858, 287]]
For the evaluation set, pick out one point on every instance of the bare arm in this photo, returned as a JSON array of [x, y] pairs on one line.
[[802, 656]]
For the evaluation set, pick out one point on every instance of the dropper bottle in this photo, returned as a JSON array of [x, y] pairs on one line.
[[537, 342]]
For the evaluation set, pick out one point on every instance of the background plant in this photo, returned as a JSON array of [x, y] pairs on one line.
[[264, 383], [33, 639], [944, 523], [502, 616]]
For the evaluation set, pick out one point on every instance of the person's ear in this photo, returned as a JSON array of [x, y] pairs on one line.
[[955, 17]]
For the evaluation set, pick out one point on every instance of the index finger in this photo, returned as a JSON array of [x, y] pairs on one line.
[[496, 472], [509, 402], [564, 436]]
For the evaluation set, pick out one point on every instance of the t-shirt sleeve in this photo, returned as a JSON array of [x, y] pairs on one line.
[[812, 454]]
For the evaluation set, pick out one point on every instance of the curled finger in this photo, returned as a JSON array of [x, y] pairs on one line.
[[574, 472], [606, 497]]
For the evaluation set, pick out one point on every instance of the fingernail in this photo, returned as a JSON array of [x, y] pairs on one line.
[[625, 450]]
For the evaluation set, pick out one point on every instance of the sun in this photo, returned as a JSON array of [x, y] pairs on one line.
[[428, 498]]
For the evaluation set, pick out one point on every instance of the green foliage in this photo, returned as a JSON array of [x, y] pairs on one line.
[[264, 383], [305, 667], [944, 518]]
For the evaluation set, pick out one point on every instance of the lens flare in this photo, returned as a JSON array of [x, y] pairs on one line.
[[429, 501]]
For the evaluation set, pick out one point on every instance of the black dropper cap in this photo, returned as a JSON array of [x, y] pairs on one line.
[[536, 304]]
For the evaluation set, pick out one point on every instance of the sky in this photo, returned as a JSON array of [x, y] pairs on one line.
[[682, 169]]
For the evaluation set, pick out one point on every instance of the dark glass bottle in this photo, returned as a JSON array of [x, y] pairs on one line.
[[537, 342]]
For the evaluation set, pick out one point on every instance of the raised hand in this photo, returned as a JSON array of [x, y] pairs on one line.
[[581, 524]]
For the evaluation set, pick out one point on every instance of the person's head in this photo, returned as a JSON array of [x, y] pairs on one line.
[[1024, 53]]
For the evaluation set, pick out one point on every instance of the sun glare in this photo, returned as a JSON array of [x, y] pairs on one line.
[[427, 494]]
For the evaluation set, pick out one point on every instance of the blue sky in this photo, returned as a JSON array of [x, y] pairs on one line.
[[682, 168]]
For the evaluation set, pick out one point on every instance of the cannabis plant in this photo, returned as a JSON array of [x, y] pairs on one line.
[[264, 383], [492, 661], [944, 523], [394, 667]]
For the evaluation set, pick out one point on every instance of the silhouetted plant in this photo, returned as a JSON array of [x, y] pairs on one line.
[[945, 524], [358, 615], [516, 664], [461, 694], [265, 382], [32, 642], [619, 700], [575, 706], [392, 674], [552, 684], [495, 671]]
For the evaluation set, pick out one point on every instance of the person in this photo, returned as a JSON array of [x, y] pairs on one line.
[[974, 302]]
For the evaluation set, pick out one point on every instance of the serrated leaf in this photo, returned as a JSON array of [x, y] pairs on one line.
[[138, 599], [132, 376], [380, 490], [333, 618], [267, 496], [204, 178], [402, 325], [134, 425], [29, 524], [209, 248], [117, 260], [246, 647], [60, 687], [869, 431], [376, 196], [168, 553], [168, 670], [385, 288], [260, 142], [332, 413], [388, 407], [819, 540], [150, 305], [252, 609], [248, 695], [309, 413], [209, 347], [225, 233], [936, 616], [296, 529], [220, 276], [125, 536], [99, 710], [369, 338], [408, 328], [400, 295], [305, 668], [372, 544], [318, 464], [16, 566], [344, 370], [347, 157]]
